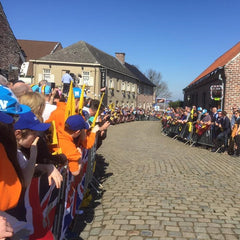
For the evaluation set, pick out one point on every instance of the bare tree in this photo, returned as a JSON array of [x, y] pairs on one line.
[[161, 86]]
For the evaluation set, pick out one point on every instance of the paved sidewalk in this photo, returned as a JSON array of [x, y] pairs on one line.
[[158, 188]]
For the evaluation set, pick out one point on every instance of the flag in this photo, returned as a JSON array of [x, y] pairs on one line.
[[111, 106], [40, 203], [73, 194], [97, 113], [190, 126], [81, 101], [68, 214], [70, 108], [80, 186]]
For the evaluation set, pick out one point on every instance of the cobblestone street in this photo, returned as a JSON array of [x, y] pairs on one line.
[[158, 188]]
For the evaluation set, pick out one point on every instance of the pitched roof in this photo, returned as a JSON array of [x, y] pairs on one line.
[[82, 52], [10, 51], [220, 62], [37, 49], [142, 78]]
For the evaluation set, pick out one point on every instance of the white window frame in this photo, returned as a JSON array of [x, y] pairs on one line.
[[47, 74]]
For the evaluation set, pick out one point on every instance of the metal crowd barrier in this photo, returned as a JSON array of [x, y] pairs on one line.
[[49, 211], [146, 118], [190, 135], [205, 138], [90, 166]]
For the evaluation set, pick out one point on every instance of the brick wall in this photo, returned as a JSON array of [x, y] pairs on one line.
[[145, 101], [232, 86], [9, 49]]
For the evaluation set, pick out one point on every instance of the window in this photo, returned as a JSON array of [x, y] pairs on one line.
[[133, 88], [118, 84], [123, 88], [85, 77], [111, 84], [46, 74], [140, 89], [128, 87]]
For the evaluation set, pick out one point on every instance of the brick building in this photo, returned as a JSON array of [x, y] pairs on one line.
[[10, 52], [224, 72]]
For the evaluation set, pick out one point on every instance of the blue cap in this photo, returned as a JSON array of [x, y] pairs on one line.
[[199, 109], [76, 122], [85, 114], [219, 110], [5, 118], [45, 89], [35, 88], [30, 121], [9, 103], [204, 111]]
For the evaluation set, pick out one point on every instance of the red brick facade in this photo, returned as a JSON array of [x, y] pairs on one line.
[[145, 101], [9, 48], [232, 88], [224, 71]]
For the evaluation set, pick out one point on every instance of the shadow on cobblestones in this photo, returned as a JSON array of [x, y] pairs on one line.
[[87, 217], [101, 166]]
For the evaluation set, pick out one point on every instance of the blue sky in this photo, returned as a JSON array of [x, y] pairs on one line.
[[178, 38]]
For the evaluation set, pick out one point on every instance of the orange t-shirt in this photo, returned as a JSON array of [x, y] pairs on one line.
[[10, 185], [69, 148], [58, 115]]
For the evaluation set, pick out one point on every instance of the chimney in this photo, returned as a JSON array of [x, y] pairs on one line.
[[120, 57]]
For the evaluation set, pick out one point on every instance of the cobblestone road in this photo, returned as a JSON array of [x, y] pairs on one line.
[[158, 188]]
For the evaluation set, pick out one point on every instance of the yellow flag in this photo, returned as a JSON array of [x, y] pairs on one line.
[[54, 139], [70, 108], [111, 106], [190, 126], [97, 113], [81, 101]]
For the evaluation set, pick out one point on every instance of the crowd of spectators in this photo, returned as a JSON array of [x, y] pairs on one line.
[[26, 142], [223, 129], [29, 117]]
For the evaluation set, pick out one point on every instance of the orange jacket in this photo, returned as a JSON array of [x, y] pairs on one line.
[[10, 185]]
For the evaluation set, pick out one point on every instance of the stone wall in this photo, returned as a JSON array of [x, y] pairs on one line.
[[9, 48]]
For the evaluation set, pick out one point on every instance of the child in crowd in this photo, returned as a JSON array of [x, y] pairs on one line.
[[45, 159], [74, 130], [26, 129]]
